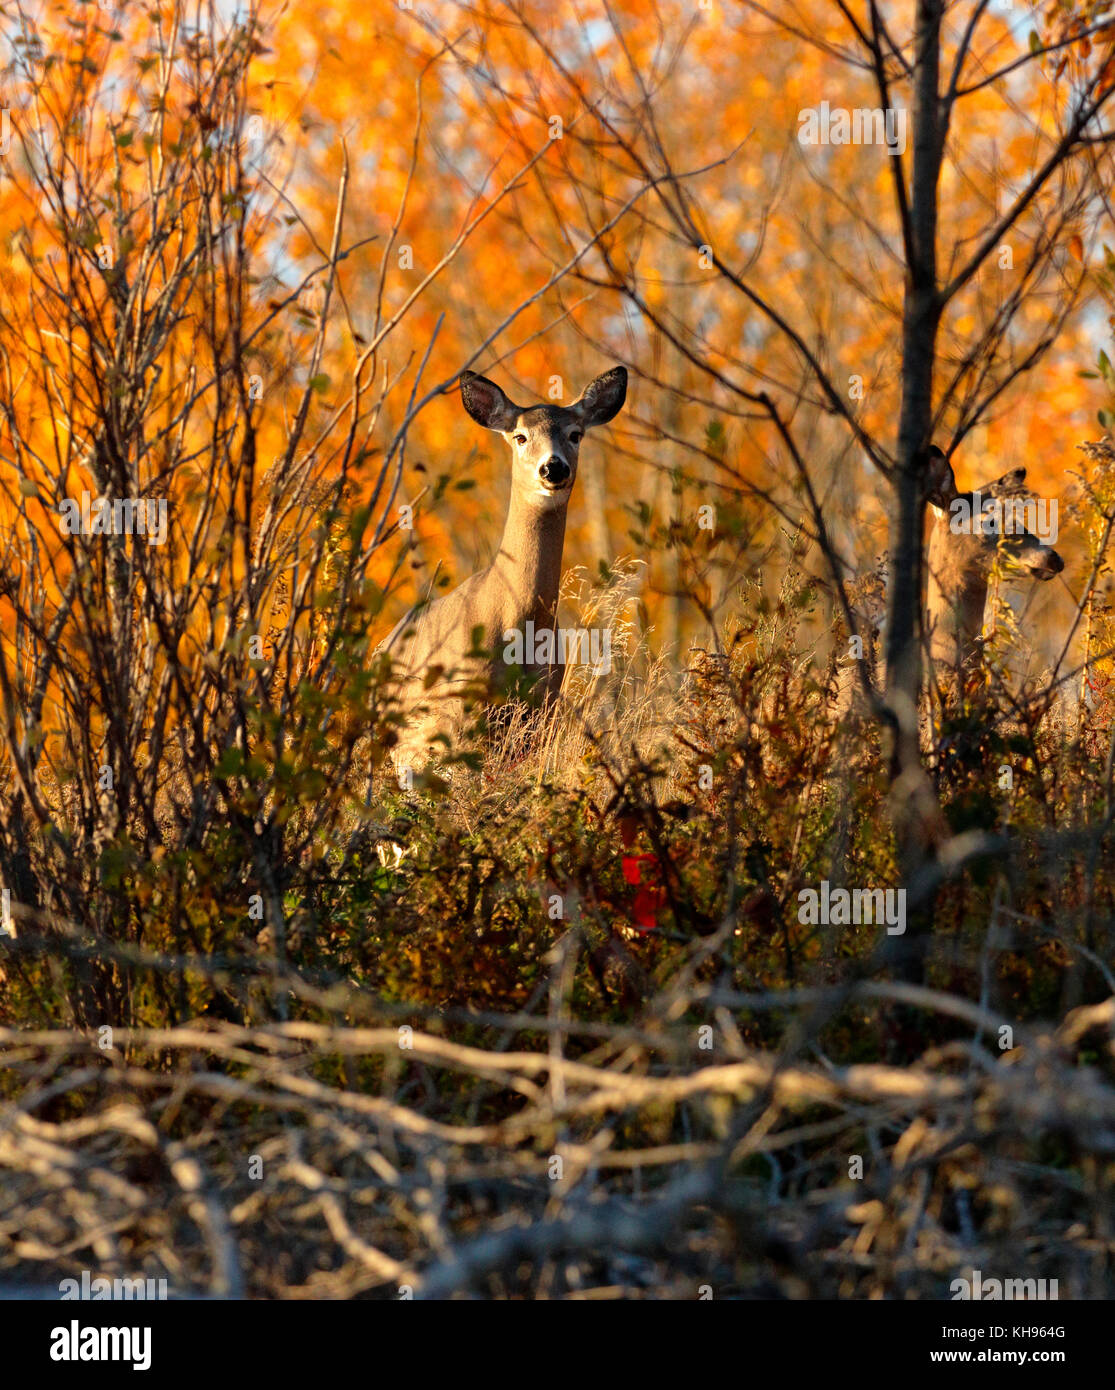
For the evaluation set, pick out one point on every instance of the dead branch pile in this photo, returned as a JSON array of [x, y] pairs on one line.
[[311, 1160]]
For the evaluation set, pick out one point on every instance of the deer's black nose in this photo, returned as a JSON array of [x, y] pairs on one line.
[[555, 471], [1049, 565]]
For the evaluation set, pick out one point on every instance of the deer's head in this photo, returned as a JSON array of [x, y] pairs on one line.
[[992, 521], [545, 440]]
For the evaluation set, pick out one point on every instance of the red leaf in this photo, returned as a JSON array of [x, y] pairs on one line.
[[645, 908], [632, 867]]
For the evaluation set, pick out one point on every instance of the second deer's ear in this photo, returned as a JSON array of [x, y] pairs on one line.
[[940, 483], [486, 403], [603, 398]]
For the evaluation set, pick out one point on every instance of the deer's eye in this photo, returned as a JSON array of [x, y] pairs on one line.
[[575, 436], [520, 438]]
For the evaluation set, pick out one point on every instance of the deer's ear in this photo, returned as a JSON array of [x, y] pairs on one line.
[[602, 399], [486, 403], [940, 484]]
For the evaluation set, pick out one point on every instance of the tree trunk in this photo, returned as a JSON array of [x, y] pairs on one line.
[[921, 314]]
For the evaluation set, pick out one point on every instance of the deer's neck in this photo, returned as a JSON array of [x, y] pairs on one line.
[[527, 567], [956, 595]]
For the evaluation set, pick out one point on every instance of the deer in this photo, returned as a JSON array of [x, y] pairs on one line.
[[434, 651], [968, 532]]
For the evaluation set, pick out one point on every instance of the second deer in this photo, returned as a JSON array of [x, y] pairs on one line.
[[435, 652], [970, 531]]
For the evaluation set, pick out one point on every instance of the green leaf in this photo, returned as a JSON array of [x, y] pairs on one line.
[[231, 764], [1035, 41], [320, 383]]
